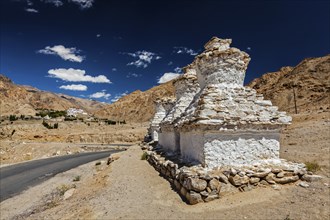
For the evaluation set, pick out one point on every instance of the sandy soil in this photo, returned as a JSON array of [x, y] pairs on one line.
[[131, 189], [31, 140]]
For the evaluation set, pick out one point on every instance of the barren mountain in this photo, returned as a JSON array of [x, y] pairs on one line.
[[308, 83], [24, 100], [137, 106]]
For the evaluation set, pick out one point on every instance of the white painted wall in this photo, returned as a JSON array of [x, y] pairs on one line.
[[240, 148], [191, 146]]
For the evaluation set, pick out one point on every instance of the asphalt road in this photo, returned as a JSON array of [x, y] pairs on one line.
[[16, 178]]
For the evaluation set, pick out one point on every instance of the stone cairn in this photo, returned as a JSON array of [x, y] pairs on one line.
[[220, 136]]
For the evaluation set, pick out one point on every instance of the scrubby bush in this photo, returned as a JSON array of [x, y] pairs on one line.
[[312, 166], [13, 118], [144, 156]]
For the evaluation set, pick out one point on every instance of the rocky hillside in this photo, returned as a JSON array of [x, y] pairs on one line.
[[309, 80], [24, 100], [137, 106]]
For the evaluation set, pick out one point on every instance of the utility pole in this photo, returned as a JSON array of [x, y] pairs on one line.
[[294, 99]]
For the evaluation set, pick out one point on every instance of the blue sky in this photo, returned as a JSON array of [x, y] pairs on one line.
[[102, 49]]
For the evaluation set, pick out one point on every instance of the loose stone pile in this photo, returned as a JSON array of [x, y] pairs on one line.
[[196, 184]]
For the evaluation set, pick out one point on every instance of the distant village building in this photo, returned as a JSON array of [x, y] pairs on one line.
[[224, 123], [75, 112]]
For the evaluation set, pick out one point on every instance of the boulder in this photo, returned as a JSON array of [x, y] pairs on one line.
[[238, 180], [285, 180], [196, 184], [214, 184], [311, 178], [194, 197]]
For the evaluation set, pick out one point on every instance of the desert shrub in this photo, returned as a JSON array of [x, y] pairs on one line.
[[13, 118], [56, 126], [144, 156], [47, 125], [312, 166], [63, 188], [76, 178], [98, 163]]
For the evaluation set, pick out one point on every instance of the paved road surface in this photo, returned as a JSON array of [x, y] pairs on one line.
[[16, 178]]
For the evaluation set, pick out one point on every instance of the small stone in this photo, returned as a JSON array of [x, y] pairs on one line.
[[311, 178], [211, 197], [303, 184], [177, 184], [260, 174], [280, 175], [241, 174], [276, 170], [68, 193], [223, 178], [285, 180], [270, 178], [214, 184], [204, 193], [233, 172], [264, 182], [254, 180], [196, 184], [194, 197], [238, 181], [183, 191], [276, 187]]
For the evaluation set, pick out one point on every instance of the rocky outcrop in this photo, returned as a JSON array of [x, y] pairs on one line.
[[25, 100], [309, 82], [137, 106]]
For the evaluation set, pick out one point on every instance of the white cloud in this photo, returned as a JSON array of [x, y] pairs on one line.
[[76, 75], [177, 70], [118, 96], [170, 63], [83, 3], [31, 10], [129, 75], [114, 69], [99, 95], [65, 53], [248, 48], [56, 3], [143, 58], [185, 50], [98, 35], [168, 77], [74, 87]]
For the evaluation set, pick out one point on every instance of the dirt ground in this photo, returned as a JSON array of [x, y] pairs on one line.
[[131, 189]]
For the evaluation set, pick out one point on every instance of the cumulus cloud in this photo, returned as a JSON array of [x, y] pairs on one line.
[[76, 75], [74, 87], [83, 4], [143, 58], [114, 69], [56, 3], [185, 50], [99, 95], [129, 75], [70, 54], [31, 10], [98, 35], [168, 77], [177, 70], [248, 48], [118, 96]]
